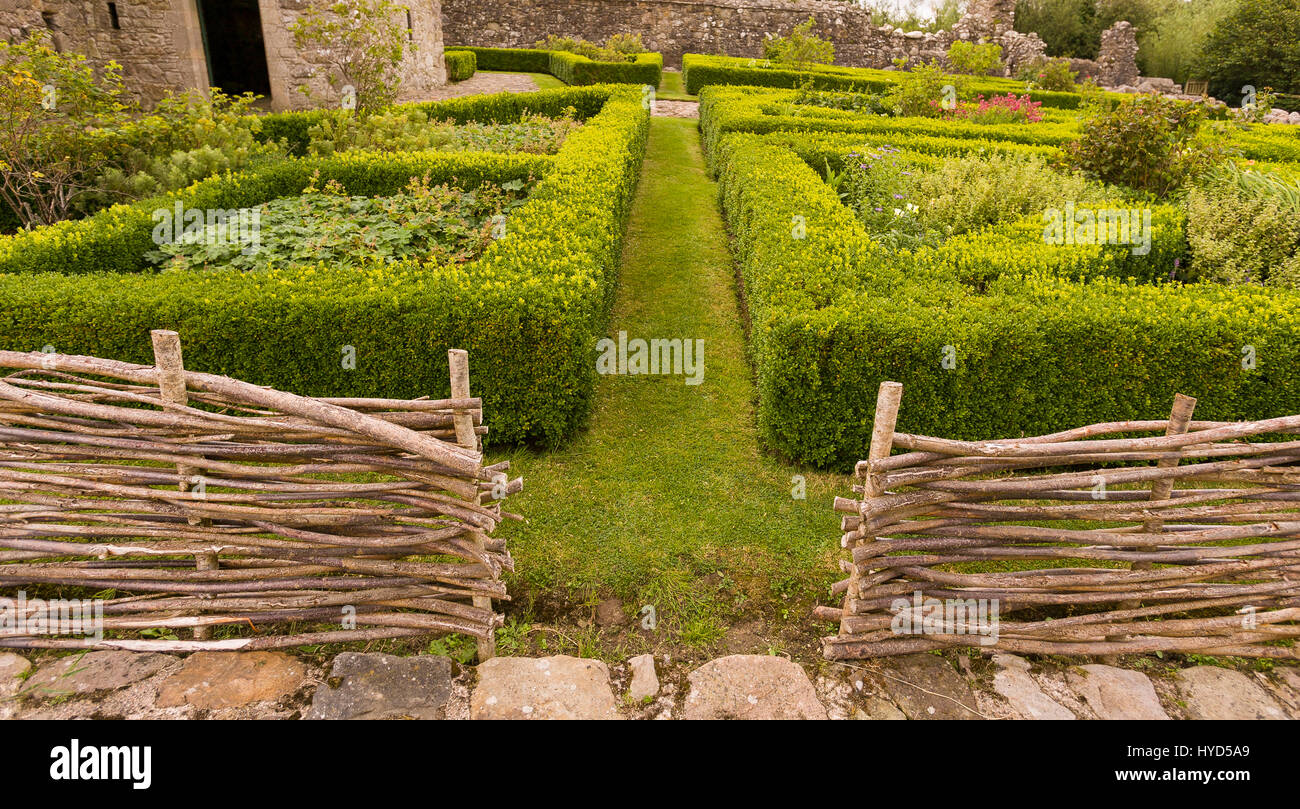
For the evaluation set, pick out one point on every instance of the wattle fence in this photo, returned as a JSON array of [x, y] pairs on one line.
[[1187, 541], [199, 504]]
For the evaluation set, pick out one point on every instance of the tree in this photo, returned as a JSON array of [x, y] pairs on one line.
[[801, 48], [54, 113], [1254, 45], [1180, 31], [361, 43], [1068, 27]]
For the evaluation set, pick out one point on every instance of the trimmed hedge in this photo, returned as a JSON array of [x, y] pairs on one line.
[[699, 71], [759, 110], [529, 310], [498, 108], [833, 314], [461, 65], [570, 67]]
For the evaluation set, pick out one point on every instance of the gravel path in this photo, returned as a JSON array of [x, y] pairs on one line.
[[483, 83]]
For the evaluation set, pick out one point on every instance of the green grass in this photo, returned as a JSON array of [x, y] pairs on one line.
[[666, 499], [671, 88]]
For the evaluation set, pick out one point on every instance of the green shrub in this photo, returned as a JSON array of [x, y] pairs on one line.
[[1043, 336], [1244, 228], [974, 59], [921, 91], [409, 129], [461, 64], [513, 60], [528, 310], [1148, 143], [1048, 74], [699, 71], [800, 48], [575, 68]]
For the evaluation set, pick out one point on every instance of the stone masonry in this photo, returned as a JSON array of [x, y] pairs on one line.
[[160, 44], [731, 27]]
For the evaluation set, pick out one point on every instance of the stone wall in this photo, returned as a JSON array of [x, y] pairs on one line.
[[159, 44], [422, 70], [731, 27]]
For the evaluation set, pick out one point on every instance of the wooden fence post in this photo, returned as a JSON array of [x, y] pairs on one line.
[[882, 444], [171, 383], [458, 361], [1180, 416]]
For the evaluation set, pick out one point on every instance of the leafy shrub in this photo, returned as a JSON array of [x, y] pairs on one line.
[[618, 48], [1148, 143], [1048, 74], [461, 64], [1244, 228], [920, 91], [878, 190], [800, 48], [836, 312], [360, 43], [50, 109], [969, 193], [528, 310], [865, 103], [409, 129], [184, 138], [975, 59], [435, 224]]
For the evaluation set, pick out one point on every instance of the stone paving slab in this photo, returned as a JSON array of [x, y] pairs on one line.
[[215, 680], [1014, 683], [1114, 693], [380, 686], [94, 671], [1217, 693], [925, 686], [752, 687], [559, 687]]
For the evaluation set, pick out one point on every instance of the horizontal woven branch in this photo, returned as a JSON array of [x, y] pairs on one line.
[[1098, 540], [198, 501]]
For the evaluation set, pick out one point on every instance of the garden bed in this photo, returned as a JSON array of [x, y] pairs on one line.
[[529, 308], [998, 317]]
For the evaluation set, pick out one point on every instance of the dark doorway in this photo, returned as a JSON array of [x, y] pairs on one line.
[[232, 35]]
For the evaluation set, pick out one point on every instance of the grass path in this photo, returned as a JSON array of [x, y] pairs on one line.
[[665, 499]]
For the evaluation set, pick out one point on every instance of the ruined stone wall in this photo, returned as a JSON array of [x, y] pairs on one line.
[[731, 27], [422, 69], [160, 45]]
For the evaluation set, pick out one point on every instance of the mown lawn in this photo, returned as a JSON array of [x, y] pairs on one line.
[[666, 499]]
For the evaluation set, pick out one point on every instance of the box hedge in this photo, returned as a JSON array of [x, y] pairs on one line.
[[833, 314], [461, 65], [571, 68], [699, 71], [529, 310]]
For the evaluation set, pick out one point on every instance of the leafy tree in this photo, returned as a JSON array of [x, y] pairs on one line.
[[361, 43], [1178, 36], [1068, 27], [801, 48], [53, 110], [1254, 45]]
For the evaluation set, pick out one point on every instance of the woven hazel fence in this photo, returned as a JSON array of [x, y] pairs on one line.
[[1080, 542], [188, 501]]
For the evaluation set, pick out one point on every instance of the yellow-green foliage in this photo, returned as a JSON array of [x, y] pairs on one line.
[[1040, 337], [529, 310]]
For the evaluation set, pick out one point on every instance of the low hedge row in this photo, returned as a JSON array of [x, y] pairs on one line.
[[833, 314], [570, 67], [500, 108], [528, 310], [461, 65], [765, 110], [699, 71]]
